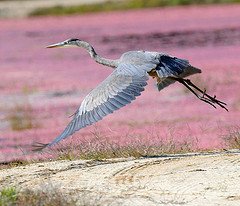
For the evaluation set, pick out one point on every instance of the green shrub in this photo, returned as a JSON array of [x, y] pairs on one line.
[[120, 5], [8, 196]]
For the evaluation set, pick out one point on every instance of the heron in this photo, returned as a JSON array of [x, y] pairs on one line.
[[127, 81]]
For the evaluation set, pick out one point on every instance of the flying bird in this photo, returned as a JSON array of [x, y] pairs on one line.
[[128, 79]]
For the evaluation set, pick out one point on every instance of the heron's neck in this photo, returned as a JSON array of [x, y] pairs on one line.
[[96, 57]]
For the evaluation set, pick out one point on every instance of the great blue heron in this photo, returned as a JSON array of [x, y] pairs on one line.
[[126, 82]]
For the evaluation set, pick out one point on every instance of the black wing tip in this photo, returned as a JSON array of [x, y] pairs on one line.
[[197, 70], [38, 147]]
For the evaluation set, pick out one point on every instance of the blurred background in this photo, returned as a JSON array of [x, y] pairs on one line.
[[40, 88]]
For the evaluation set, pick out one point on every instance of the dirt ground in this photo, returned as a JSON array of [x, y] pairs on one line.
[[191, 179]]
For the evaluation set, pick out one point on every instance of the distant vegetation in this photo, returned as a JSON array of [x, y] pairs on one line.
[[21, 115], [121, 5], [21, 118], [232, 139]]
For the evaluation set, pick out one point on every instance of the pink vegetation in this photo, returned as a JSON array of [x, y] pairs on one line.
[[54, 82]]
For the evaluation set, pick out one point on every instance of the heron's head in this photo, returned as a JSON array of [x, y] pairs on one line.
[[66, 43]]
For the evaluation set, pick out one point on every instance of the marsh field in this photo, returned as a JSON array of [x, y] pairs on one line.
[[40, 88]]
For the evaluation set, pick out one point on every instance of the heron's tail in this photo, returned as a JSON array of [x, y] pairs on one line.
[[169, 67], [166, 81], [190, 71]]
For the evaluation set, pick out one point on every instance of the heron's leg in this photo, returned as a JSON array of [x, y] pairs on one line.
[[191, 90], [205, 97], [203, 92]]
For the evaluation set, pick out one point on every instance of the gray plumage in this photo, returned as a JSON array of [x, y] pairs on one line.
[[124, 84]]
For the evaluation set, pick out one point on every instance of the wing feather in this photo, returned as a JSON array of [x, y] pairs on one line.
[[116, 91]]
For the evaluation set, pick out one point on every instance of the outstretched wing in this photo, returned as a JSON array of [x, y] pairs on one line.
[[173, 67], [116, 91]]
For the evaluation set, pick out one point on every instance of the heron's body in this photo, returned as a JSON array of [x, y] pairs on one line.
[[128, 79]]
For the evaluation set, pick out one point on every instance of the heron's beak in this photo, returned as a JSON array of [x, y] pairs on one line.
[[61, 44]]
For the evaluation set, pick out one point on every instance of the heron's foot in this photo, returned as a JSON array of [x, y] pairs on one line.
[[203, 96], [38, 147]]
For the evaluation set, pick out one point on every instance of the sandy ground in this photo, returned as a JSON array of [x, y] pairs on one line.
[[191, 179]]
